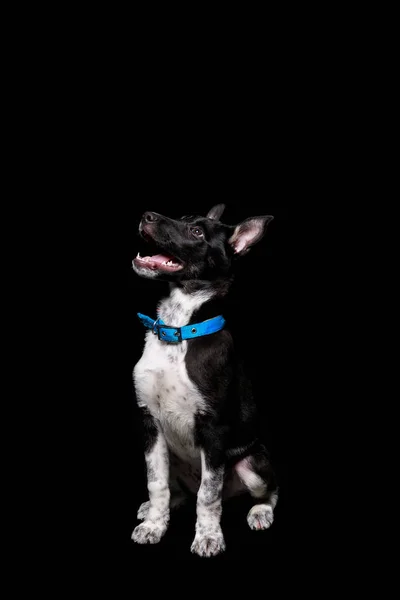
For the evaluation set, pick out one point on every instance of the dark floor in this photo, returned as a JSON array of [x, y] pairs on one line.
[[241, 542]]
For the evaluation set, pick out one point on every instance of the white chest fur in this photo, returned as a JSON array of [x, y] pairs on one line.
[[161, 379]]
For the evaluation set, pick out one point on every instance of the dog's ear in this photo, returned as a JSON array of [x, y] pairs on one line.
[[248, 233], [216, 212]]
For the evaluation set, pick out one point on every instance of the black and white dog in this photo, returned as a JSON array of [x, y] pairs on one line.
[[197, 407]]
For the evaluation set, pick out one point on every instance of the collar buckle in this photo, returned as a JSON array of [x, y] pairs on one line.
[[155, 326], [161, 334]]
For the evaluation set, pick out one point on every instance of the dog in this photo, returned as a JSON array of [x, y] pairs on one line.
[[197, 409]]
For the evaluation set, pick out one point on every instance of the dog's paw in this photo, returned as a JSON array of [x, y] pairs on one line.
[[261, 516], [148, 533], [208, 544], [143, 510]]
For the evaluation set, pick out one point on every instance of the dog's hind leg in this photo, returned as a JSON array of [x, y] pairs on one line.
[[257, 475]]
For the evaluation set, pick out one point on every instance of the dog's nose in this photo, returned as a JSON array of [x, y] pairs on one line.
[[149, 217]]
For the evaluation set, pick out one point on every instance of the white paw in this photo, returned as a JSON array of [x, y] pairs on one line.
[[261, 516], [143, 510], [148, 533], [208, 544]]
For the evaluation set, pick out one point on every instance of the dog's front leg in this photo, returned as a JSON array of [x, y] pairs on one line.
[[209, 539], [157, 463]]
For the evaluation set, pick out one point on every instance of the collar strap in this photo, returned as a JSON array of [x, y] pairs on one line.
[[166, 333]]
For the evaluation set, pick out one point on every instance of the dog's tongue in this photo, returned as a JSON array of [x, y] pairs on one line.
[[160, 258]]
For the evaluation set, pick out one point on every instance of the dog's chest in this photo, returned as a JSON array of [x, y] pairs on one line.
[[163, 383]]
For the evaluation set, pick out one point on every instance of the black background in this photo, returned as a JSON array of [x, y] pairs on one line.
[[152, 154], [130, 126], [280, 321], [279, 295]]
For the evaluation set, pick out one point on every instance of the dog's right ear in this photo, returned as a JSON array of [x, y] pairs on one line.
[[248, 233], [216, 212]]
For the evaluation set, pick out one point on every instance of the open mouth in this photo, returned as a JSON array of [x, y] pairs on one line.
[[159, 262]]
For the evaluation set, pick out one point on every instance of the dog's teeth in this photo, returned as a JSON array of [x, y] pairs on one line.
[[138, 255], [170, 263]]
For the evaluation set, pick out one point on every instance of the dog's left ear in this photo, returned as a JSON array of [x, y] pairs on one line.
[[248, 233], [216, 212]]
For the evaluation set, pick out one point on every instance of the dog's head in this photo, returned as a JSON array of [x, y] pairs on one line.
[[194, 247]]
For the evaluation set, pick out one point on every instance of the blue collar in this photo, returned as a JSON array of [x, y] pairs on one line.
[[166, 333]]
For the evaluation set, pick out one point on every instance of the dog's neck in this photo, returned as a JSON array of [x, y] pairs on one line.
[[192, 301], [219, 287]]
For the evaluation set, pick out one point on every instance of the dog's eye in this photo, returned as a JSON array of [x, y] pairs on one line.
[[197, 231]]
